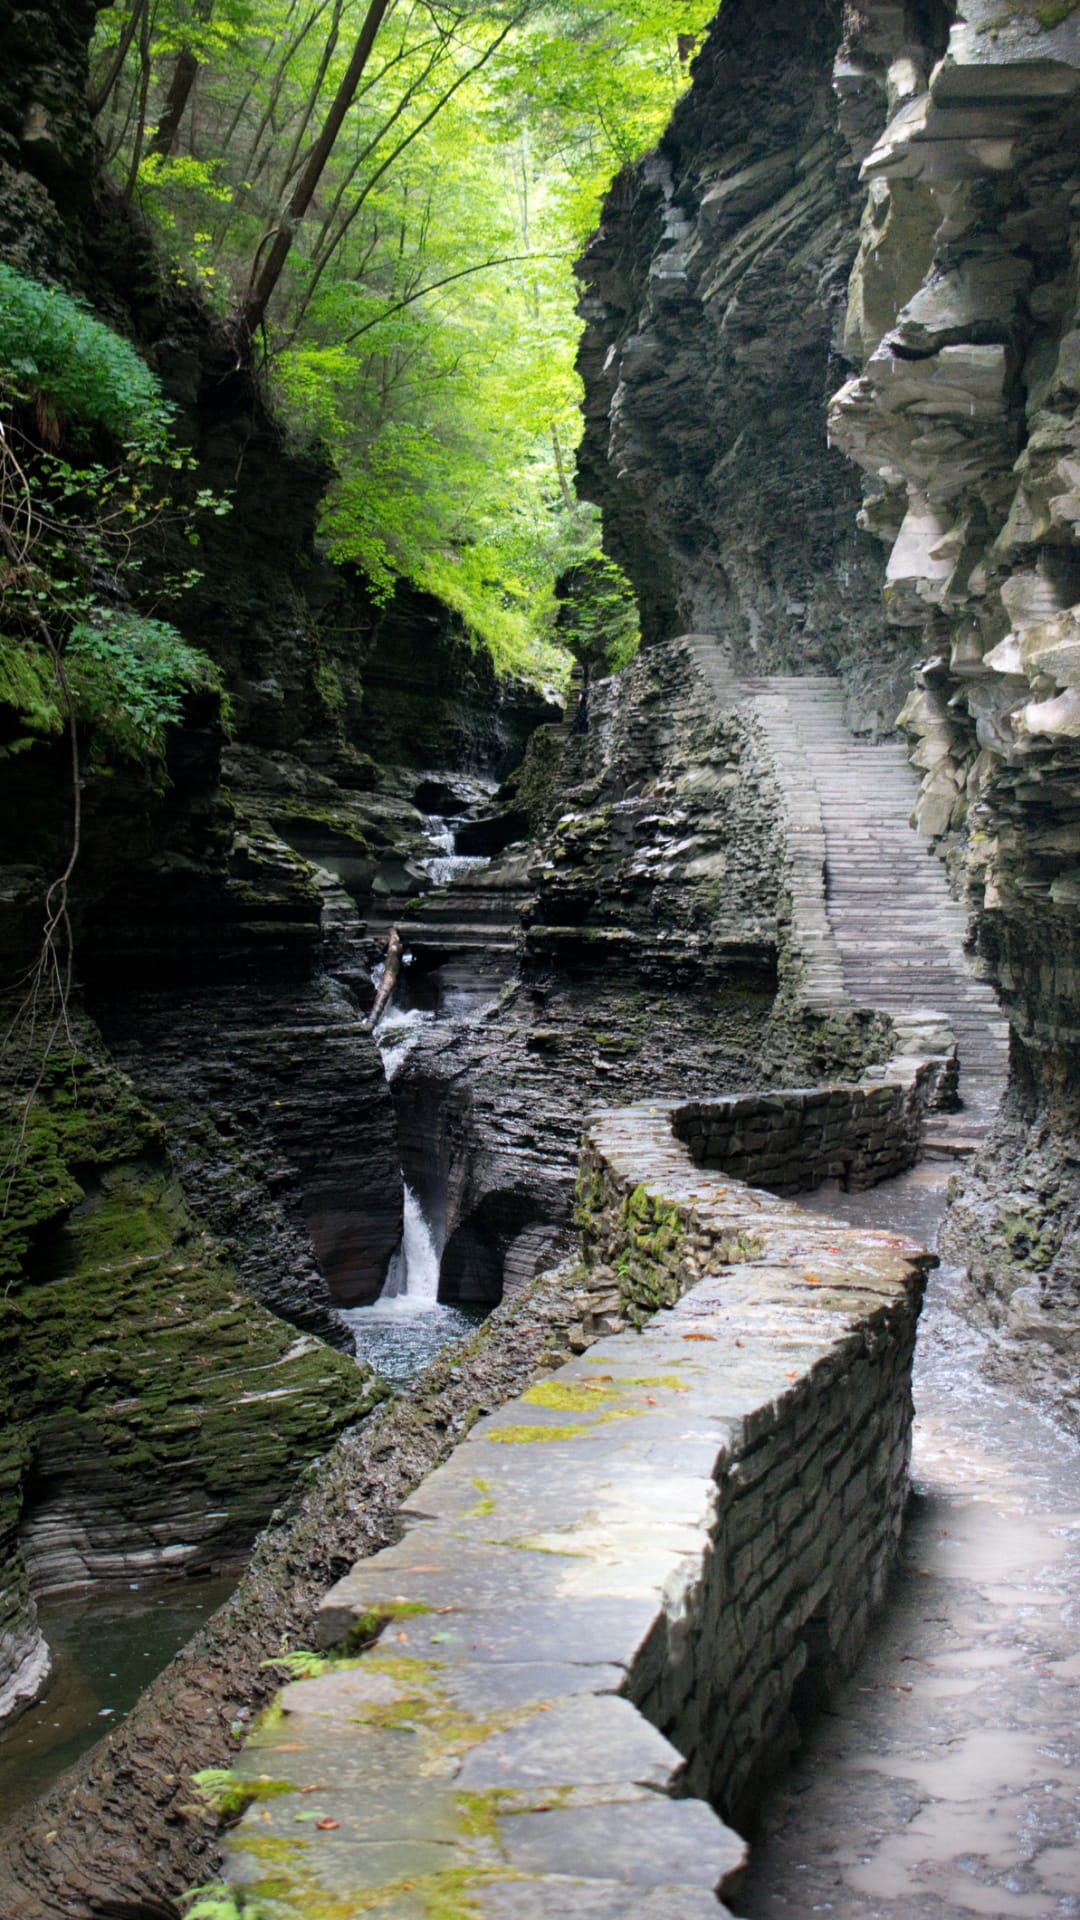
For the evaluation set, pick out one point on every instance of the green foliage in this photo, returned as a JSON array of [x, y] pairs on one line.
[[79, 368], [424, 329], [300, 1664], [598, 616], [129, 676], [78, 537], [215, 1901]]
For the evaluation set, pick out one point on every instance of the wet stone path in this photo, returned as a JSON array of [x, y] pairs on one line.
[[943, 1781]]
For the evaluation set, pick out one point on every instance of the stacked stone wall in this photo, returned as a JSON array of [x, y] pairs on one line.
[[695, 1521], [793, 1140]]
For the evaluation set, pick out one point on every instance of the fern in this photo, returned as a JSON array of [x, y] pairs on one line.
[[216, 1901]]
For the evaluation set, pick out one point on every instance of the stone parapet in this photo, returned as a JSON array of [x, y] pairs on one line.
[[792, 1140], [694, 1521]]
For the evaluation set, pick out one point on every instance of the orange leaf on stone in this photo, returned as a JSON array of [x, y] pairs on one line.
[[327, 1826], [699, 1336]]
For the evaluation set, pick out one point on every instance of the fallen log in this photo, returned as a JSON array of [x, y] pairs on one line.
[[389, 980]]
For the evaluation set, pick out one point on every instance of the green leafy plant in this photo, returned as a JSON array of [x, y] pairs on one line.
[[78, 655], [216, 1901], [300, 1664], [129, 675], [76, 367]]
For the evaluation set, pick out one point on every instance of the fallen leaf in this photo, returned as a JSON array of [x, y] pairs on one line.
[[288, 1746], [313, 1789], [402, 1636], [699, 1336], [327, 1826], [445, 1609], [791, 1374], [811, 1279], [650, 1401], [264, 1813], [595, 1379]]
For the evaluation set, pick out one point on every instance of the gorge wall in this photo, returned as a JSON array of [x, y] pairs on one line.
[[856, 248], [206, 1161]]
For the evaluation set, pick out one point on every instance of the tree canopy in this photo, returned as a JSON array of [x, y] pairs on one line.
[[389, 195]]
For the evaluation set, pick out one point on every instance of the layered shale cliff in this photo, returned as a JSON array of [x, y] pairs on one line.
[[199, 1155], [856, 249]]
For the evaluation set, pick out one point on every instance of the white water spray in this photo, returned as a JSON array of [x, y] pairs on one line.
[[413, 1274]]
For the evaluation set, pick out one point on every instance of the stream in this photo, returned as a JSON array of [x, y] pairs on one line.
[[943, 1779], [401, 1332], [106, 1647]]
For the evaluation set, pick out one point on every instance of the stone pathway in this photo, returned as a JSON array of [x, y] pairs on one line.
[[943, 1781], [657, 1522], [897, 932]]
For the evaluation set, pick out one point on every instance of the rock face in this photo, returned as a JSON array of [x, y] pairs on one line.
[[963, 315], [641, 938], [880, 208], [236, 1174], [714, 292], [151, 1412]]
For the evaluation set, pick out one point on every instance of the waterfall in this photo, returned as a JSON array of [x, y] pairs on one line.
[[412, 1277], [413, 1273]]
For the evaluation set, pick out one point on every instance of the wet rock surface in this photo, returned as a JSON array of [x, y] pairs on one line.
[[122, 1826], [537, 1577], [941, 1781]]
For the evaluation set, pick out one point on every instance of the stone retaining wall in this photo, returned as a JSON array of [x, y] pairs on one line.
[[793, 1140], [694, 1521]]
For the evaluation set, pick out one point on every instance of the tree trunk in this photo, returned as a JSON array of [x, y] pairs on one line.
[[183, 79], [265, 277]]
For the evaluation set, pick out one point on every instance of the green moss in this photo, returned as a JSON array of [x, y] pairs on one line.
[[331, 693], [127, 1342], [1053, 12], [28, 686], [526, 1436], [478, 1813], [368, 1625], [566, 1399], [228, 1794]]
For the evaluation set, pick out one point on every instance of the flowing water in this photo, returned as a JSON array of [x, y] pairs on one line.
[[442, 864], [402, 1331], [106, 1647], [943, 1781]]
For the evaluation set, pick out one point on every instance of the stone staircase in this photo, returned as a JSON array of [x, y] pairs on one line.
[[894, 938]]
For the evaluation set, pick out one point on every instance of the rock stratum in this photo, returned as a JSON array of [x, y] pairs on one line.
[[836, 308]]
